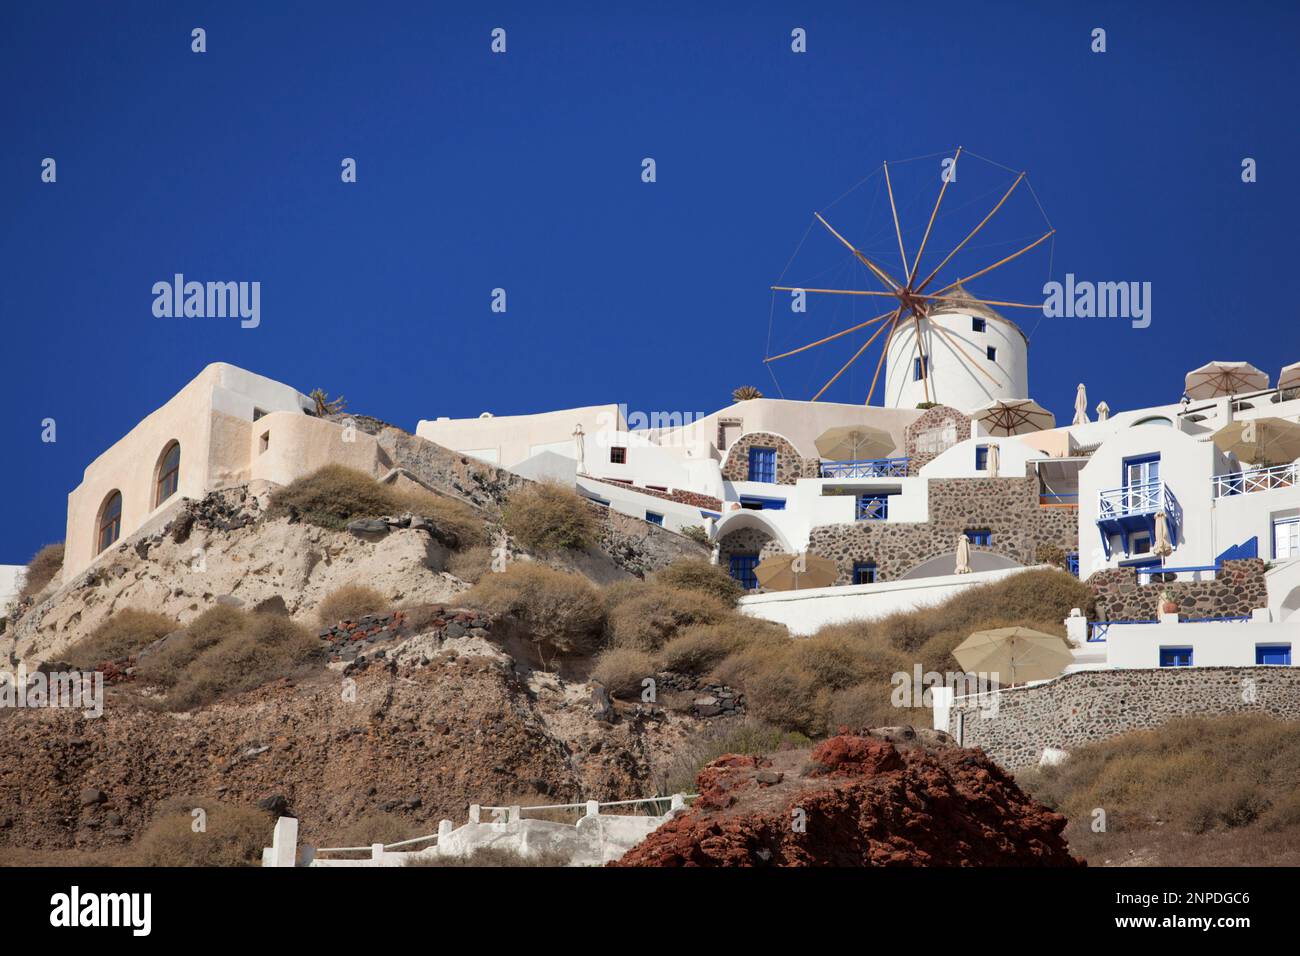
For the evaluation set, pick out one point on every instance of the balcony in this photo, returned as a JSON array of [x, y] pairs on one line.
[[1133, 508], [1257, 479], [866, 468]]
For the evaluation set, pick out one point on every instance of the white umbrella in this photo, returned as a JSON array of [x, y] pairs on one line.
[[1103, 411], [1289, 377], [963, 555], [1162, 546], [1021, 652], [853, 442], [1014, 416], [1080, 406], [995, 460], [1214, 379]]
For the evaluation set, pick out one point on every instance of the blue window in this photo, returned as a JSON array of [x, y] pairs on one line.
[[1072, 563], [758, 503], [864, 572], [980, 536], [654, 518], [1273, 654], [742, 569], [992, 353], [977, 325], [981, 457], [762, 465], [1175, 657], [920, 368], [873, 507]]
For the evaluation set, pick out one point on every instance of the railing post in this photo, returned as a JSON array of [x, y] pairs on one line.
[[284, 843], [593, 808], [475, 811]]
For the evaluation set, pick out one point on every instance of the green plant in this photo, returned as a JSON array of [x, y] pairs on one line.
[[121, 635], [350, 603], [42, 569], [745, 393], [696, 533], [557, 610], [547, 517], [696, 574]]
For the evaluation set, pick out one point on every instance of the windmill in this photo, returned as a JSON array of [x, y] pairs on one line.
[[911, 295]]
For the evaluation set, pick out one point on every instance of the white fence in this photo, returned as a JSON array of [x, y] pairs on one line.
[[595, 839]]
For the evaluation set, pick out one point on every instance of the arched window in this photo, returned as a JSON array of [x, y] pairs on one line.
[[169, 473], [110, 521], [1154, 420]]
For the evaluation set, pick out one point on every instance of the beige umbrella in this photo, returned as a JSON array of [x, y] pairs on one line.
[[963, 555], [854, 442], [994, 460], [1289, 377], [791, 572], [1014, 416], [1260, 440], [1080, 406], [1224, 378], [1162, 546], [1019, 652]]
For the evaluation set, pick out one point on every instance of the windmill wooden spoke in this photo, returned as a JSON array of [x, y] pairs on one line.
[[930, 278], [884, 351], [898, 230], [911, 276], [796, 288], [1008, 305], [878, 272], [1001, 262], [804, 348], [845, 367]]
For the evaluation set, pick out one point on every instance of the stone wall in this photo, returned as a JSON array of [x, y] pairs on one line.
[[937, 430], [1237, 589], [1007, 507], [1088, 706], [790, 465], [747, 541]]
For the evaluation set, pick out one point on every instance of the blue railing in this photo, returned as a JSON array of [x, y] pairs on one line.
[[1097, 630], [1141, 498], [866, 468], [1257, 479], [1175, 571], [873, 507]]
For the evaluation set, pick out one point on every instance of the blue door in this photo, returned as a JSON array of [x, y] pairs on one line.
[[742, 569], [762, 464], [1279, 654]]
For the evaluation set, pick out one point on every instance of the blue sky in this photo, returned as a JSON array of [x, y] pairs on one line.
[[522, 171]]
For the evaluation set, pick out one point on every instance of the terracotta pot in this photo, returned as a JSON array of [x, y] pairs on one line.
[[1168, 607]]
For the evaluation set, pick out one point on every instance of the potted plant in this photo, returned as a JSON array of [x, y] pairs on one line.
[[1167, 604]]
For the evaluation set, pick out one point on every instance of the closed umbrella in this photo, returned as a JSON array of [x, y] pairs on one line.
[[1020, 652], [1162, 546], [854, 442], [1215, 379], [1080, 406], [995, 460], [1257, 440], [1014, 416], [963, 555], [791, 572]]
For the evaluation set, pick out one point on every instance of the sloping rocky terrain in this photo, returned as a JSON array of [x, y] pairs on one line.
[[894, 797]]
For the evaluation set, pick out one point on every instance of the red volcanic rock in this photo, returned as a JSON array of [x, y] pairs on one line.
[[859, 800]]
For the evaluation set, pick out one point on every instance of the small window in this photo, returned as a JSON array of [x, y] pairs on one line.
[[618, 455], [742, 569], [264, 443], [169, 473], [755, 503], [654, 518], [981, 457], [920, 368], [762, 465], [1175, 657], [110, 521], [1140, 544], [258, 413], [978, 325], [980, 536], [992, 353], [1273, 654], [864, 572], [1286, 538]]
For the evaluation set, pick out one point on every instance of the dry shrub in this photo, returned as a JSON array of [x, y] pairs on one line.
[[701, 648], [42, 569], [560, 610], [1195, 774], [471, 564], [655, 614], [696, 533], [232, 836], [350, 602], [747, 736], [119, 636], [864, 706], [547, 516], [621, 670], [226, 651], [335, 495], [375, 827], [695, 574]]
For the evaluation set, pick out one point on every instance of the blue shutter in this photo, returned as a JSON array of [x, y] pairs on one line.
[[1279, 654], [1175, 657], [762, 465], [742, 569]]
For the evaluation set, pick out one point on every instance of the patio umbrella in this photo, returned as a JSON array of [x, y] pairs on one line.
[[1289, 377], [1224, 378], [1014, 416], [1260, 440], [1021, 653], [791, 572], [963, 555], [995, 460], [1162, 545], [854, 442], [1080, 406]]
